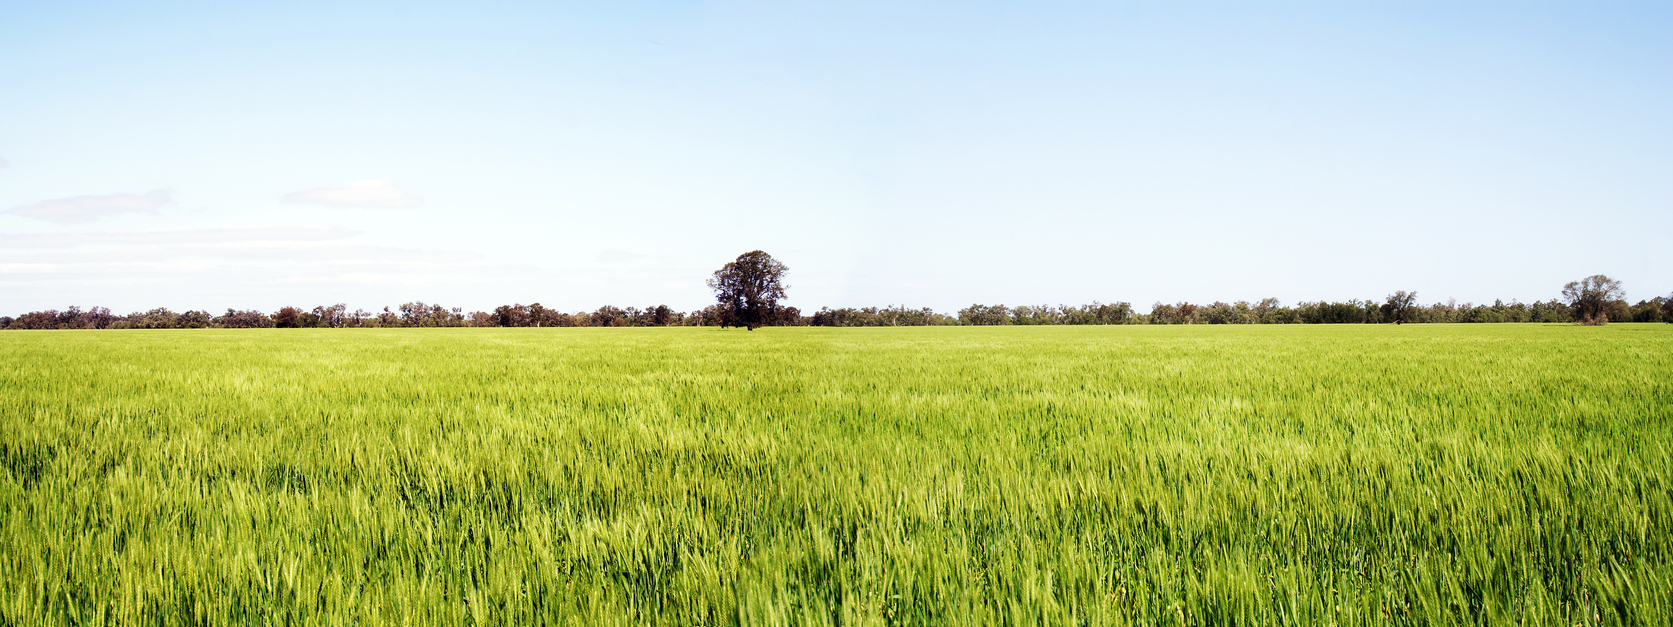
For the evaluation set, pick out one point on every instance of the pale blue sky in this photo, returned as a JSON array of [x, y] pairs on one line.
[[222, 155]]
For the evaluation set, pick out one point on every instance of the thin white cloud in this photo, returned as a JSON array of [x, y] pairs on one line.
[[328, 258], [369, 194], [275, 233], [285, 249], [613, 256], [276, 252], [90, 208]]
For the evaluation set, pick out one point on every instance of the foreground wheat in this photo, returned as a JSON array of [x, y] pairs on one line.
[[1099, 475]]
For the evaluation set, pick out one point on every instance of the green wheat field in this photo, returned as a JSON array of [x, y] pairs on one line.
[[1174, 475]]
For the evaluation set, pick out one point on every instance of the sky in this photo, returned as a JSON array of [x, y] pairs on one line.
[[257, 155]]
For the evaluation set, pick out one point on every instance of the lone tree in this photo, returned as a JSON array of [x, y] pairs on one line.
[[1588, 297], [1399, 306], [748, 290]]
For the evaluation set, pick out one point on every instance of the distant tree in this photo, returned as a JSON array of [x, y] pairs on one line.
[[70, 318], [511, 315], [1617, 309], [1550, 311], [608, 316], [538, 315], [653, 316], [1271, 311], [1027, 315], [1187, 312], [1502, 312], [1219, 313], [1589, 299], [1647, 310], [412, 314], [194, 319], [100, 318], [1667, 309], [1321, 312], [710, 316], [251, 319], [892, 316], [1163, 313], [333, 316], [1181, 313], [421, 314], [748, 290], [287, 318], [36, 320], [1245, 313], [159, 318], [984, 315], [1098, 313], [1398, 308]]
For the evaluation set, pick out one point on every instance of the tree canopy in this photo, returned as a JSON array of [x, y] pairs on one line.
[[748, 290], [1399, 306], [1589, 298]]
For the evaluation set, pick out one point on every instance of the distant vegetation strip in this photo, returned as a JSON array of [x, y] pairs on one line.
[[1267, 311]]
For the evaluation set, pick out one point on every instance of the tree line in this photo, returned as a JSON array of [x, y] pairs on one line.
[[747, 293], [1267, 311]]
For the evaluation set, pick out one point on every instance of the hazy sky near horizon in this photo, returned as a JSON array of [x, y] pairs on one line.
[[215, 155]]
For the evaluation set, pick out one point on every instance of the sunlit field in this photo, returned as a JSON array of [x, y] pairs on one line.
[[1417, 474]]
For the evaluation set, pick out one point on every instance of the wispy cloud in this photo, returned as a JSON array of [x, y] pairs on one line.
[[213, 254], [276, 233], [306, 258], [90, 208], [370, 194], [613, 256]]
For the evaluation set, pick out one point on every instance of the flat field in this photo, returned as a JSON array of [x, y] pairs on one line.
[[1421, 474]]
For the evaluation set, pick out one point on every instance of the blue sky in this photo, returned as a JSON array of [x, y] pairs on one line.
[[223, 155]]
